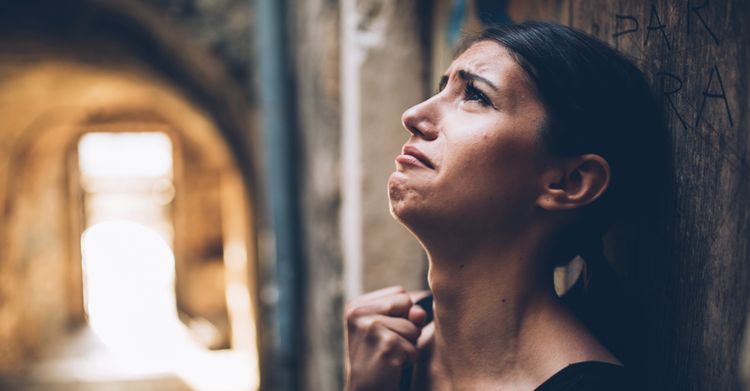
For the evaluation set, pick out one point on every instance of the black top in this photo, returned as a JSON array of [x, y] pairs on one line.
[[588, 376]]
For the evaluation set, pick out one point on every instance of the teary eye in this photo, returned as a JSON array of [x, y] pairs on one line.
[[472, 93]]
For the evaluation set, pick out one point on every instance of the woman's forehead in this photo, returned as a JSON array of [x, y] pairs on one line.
[[490, 60]]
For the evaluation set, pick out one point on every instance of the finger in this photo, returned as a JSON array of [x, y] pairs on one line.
[[381, 293], [403, 327], [423, 313], [411, 352], [426, 337], [417, 315], [397, 350], [372, 327], [392, 305]]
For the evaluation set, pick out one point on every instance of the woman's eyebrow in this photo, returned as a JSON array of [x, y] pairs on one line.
[[467, 76]]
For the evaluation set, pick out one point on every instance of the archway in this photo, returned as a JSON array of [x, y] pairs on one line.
[[53, 103]]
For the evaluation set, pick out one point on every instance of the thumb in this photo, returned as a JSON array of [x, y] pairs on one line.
[[418, 315], [421, 312], [426, 338]]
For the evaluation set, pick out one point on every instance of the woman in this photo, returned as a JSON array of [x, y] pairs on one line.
[[537, 140]]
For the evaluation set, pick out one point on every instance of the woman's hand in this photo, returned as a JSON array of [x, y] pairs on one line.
[[382, 329]]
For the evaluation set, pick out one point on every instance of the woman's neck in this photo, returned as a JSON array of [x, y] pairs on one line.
[[496, 315]]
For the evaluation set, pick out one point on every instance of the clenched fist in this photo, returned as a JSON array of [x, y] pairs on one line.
[[382, 329]]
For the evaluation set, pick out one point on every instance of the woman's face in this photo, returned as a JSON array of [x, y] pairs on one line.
[[473, 159]]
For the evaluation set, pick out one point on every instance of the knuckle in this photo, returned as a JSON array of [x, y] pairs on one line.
[[360, 325], [406, 298], [390, 342], [353, 314], [412, 332], [397, 360], [350, 312], [400, 304], [397, 357], [370, 326]]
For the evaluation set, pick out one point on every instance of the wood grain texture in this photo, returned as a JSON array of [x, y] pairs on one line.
[[688, 258]]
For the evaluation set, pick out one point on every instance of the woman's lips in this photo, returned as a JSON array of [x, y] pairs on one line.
[[413, 156]]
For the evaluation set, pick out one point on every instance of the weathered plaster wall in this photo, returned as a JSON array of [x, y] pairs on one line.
[[314, 45], [392, 78], [385, 55]]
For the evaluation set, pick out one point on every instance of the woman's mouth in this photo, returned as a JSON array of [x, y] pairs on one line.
[[412, 156]]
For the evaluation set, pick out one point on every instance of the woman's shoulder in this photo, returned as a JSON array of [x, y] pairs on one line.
[[589, 376]]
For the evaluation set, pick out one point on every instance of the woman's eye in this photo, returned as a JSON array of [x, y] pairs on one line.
[[472, 93]]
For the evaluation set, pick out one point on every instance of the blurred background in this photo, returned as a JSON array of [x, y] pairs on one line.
[[190, 190]]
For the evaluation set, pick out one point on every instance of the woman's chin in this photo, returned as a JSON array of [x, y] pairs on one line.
[[407, 201], [396, 187], [406, 211], [400, 194], [397, 208]]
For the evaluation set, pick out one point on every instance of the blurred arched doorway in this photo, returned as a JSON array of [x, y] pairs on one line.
[[197, 215]]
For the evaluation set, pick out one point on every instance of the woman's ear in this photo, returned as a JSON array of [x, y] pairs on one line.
[[573, 183]]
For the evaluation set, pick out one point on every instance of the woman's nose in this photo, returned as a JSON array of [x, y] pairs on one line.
[[420, 120]]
